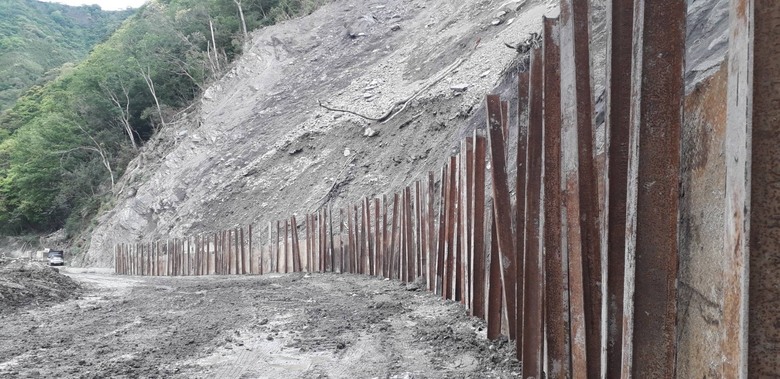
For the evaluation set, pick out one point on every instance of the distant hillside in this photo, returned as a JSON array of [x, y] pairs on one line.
[[36, 38], [64, 143]]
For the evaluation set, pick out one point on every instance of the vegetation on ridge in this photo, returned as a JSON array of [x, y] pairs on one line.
[[64, 144]]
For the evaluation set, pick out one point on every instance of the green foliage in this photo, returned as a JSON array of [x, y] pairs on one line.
[[36, 37], [58, 140]]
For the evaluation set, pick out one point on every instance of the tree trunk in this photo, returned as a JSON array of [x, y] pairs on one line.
[[243, 21], [147, 75]]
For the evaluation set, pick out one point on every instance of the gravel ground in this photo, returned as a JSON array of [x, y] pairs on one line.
[[317, 326]]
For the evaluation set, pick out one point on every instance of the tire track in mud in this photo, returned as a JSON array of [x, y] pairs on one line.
[[308, 326]]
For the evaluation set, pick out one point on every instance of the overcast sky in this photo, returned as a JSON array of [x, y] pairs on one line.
[[108, 5]]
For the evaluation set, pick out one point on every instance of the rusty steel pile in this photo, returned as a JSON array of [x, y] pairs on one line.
[[531, 261]]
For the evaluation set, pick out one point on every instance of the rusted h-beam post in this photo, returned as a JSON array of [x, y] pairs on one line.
[[649, 327], [533, 276], [323, 240], [392, 256], [431, 232], [477, 237], [243, 251], [750, 342], [452, 191], [409, 236], [385, 240], [577, 109], [520, 196], [618, 104], [555, 267], [502, 207], [402, 239], [417, 220], [458, 240], [495, 291], [308, 243], [296, 246], [368, 245], [467, 217], [378, 227], [438, 285], [239, 251]]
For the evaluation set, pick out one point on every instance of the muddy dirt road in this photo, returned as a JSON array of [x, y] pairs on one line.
[[276, 326]]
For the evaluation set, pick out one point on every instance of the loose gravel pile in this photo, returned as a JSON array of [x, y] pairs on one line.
[[23, 282]]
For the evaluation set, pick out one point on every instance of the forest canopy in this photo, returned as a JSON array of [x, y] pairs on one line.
[[64, 144]]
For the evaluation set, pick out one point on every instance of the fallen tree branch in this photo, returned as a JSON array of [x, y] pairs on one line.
[[394, 110], [324, 200]]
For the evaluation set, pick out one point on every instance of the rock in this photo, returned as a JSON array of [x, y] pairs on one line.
[[295, 151], [347, 152], [395, 27], [500, 14], [341, 345], [369, 132], [484, 74], [496, 22], [461, 87], [368, 95], [263, 321], [412, 287]]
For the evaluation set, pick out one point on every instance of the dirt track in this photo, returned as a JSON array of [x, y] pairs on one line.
[[324, 325]]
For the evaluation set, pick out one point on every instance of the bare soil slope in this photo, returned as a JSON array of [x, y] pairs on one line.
[[258, 147]]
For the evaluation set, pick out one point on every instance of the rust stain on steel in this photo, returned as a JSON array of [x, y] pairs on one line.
[[495, 290], [324, 239], [409, 236], [467, 190], [340, 263], [653, 191], [402, 237], [308, 243], [329, 255], [243, 253], [418, 234], [278, 247], [431, 230], [753, 145], [377, 240], [252, 269], [618, 106], [556, 284], [358, 246], [458, 237], [452, 191], [370, 246], [520, 198], [440, 249], [392, 264], [385, 239], [296, 246], [533, 285], [286, 244], [502, 208], [577, 108], [478, 228]]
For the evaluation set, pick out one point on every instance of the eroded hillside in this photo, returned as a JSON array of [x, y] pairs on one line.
[[258, 146]]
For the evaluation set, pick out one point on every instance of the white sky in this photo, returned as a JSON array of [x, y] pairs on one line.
[[108, 5]]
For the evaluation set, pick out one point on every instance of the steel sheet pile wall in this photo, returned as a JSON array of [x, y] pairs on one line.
[[533, 265]]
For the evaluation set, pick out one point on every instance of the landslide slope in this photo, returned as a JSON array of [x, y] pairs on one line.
[[258, 147]]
